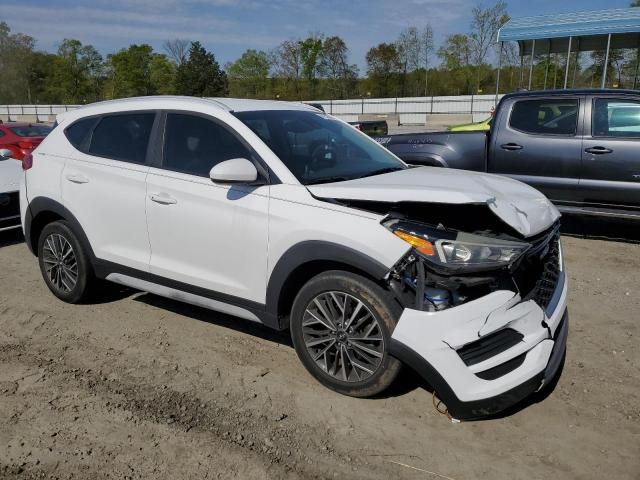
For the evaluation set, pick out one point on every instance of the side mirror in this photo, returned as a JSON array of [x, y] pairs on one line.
[[236, 170], [5, 154]]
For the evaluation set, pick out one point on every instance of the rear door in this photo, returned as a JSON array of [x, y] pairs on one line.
[[539, 141], [611, 153], [104, 184]]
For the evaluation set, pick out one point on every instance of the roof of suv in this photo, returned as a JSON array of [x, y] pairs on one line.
[[170, 101]]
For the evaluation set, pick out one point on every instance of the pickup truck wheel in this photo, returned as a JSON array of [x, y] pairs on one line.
[[341, 326], [64, 263]]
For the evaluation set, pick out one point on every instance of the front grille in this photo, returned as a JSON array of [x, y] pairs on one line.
[[538, 275], [546, 283], [489, 346]]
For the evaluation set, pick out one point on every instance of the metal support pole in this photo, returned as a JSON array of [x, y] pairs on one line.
[[635, 76], [566, 70], [606, 63], [521, 70], [533, 51], [495, 102], [546, 69], [575, 64]]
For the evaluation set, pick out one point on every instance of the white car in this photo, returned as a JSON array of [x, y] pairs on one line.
[[10, 178], [280, 214]]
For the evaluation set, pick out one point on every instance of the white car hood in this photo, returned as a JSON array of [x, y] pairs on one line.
[[10, 175], [524, 208]]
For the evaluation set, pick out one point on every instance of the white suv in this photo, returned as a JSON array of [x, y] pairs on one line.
[[280, 214]]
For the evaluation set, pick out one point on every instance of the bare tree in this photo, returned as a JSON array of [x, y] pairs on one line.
[[484, 29], [289, 64], [177, 50], [409, 48]]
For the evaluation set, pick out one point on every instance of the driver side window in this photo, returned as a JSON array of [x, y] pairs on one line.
[[195, 144]]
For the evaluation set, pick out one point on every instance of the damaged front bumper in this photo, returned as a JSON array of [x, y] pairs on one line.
[[487, 354]]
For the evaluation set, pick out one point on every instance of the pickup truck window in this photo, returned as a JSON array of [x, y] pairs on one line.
[[545, 116], [614, 117]]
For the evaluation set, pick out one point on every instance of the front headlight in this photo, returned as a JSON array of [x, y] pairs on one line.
[[457, 251]]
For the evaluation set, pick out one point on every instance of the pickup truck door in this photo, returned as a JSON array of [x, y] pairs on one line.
[[539, 142], [611, 153]]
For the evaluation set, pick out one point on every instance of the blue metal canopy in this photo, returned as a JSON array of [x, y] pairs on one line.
[[581, 24]]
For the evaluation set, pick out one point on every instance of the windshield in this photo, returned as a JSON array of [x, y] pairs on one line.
[[31, 130], [317, 148]]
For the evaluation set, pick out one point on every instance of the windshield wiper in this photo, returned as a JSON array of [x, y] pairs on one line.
[[381, 171], [327, 180]]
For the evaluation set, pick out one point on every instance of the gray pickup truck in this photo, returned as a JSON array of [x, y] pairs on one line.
[[581, 148]]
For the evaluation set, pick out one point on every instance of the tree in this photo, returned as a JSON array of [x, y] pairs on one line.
[[409, 48], [334, 67], [485, 24], [455, 54], [129, 72], [310, 50], [249, 75], [78, 72], [16, 51], [177, 50], [200, 75], [428, 46], [383, 68], [288, 60]]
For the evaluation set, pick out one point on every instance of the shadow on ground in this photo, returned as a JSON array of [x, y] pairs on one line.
[[11, 237]]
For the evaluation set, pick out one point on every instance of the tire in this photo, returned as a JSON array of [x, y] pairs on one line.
[[343, 359], [68, 274]]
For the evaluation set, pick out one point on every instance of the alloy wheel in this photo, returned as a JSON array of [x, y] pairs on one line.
[[342, 336], [60, 263]]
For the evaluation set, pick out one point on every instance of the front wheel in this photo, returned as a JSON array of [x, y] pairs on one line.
[[341, 326]]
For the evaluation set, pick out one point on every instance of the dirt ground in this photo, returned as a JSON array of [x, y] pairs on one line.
[[141, 387]]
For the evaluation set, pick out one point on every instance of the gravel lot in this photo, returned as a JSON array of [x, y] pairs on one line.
[[141, 387]]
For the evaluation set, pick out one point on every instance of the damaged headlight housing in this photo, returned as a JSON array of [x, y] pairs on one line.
[[457, 251]]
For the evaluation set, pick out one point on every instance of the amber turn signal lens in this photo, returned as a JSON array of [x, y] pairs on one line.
[[423, 246]]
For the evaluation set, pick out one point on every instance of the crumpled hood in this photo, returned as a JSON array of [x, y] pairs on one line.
[[524, 208]]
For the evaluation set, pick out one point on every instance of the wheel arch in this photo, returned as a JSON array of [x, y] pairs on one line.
[[41, 212], [304, 261]]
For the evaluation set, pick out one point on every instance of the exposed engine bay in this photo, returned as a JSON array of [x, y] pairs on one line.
[[463, 252]]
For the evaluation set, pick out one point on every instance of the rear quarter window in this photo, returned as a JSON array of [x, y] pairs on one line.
[[78, 131]]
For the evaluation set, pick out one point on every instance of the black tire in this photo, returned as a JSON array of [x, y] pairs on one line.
[[81, 289], [379, 304]]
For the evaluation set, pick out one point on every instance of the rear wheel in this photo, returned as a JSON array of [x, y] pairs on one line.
[[64, 264], [341, 326]]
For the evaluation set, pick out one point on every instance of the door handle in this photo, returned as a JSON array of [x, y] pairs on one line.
[[163, 199], [511, 146], [77, 178], [598, 150]]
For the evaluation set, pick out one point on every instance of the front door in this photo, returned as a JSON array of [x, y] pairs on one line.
[[203, 234], [538, 141], [611, 153]]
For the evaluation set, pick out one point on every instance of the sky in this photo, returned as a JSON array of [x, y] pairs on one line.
[[229, 27]]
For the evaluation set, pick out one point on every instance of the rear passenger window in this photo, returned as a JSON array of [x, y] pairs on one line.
[[545, 117], [616, 118], [123, 137], [77, 133], [195, 144]]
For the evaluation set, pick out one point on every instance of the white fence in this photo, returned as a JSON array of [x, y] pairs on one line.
[[407, 110], [411, 110]]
